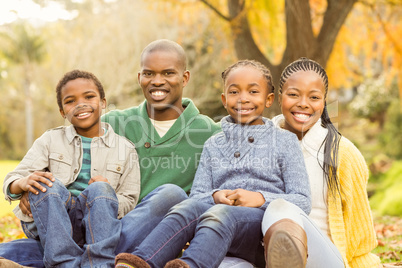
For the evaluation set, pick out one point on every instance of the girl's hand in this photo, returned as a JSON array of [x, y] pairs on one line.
[[220, 197], [31, 183], [98, 178], [244, 198]]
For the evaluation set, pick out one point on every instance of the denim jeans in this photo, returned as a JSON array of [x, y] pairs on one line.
[[136, 225], [321, 251], [78, 231], [212, 230]]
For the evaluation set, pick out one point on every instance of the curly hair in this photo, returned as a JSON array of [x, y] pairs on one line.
[[257, 65], [75, 74], [331, 141]]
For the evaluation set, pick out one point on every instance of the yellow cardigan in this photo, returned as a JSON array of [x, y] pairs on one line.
[[350, 220]]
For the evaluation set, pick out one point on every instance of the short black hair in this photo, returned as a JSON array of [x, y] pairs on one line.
[[253, 63], [168, 46], [75, 74]]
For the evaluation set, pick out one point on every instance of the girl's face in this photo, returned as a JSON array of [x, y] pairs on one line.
[[246, 95], [82, 106], [302, 101]]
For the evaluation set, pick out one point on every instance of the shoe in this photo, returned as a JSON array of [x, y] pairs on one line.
[[4, 263], [177, 263], [285, 244], [127, 260]]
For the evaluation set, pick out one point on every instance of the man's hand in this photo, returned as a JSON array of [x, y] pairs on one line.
[[24, 204], [220, 197], [97, 178], [244, 198]]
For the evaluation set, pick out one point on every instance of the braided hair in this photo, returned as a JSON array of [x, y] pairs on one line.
[[331, 141], [252, 63]]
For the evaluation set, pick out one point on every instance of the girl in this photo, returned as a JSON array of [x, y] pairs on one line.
[[242, 169], [339, 228]]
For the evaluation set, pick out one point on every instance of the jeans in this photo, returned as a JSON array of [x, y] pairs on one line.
[[321, 251], [212, 230], [65, 222], [136, 225]]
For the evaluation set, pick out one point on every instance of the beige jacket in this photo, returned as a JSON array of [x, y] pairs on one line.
[[59, 151]]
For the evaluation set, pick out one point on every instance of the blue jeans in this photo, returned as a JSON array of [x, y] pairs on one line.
[[136, 225], [65, 222], [212, 230]]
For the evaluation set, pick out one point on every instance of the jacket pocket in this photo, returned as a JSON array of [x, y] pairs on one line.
[[113, 173], [60, 166]]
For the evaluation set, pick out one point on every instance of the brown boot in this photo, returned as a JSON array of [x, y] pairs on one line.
[[285, 244], [125, 260], [177, 263], [4, 263]]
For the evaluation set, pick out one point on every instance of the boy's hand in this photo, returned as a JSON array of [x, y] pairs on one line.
[[244, 198], [31, 183], [24, 204], [220, 197], [98, 178]]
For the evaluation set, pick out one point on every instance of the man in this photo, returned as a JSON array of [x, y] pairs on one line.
[[168, 133]]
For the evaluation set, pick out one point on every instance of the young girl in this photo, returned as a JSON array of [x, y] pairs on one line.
[[339, 228], [241, 171], [80, 179]]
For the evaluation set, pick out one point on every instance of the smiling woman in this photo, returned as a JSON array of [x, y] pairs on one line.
[[27, 9]]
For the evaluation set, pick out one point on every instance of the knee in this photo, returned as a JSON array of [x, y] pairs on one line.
[[218, 215], [99, 188], [169, 195], [57, 188]]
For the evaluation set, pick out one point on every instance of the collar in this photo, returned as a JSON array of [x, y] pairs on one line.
[[108, 138], [313, 139], [234, 131], [186, 118]]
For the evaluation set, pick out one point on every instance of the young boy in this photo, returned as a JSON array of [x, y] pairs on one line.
[[242, 169], [81, 180]]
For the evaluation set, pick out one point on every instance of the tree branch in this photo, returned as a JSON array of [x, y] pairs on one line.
[[214, 9]]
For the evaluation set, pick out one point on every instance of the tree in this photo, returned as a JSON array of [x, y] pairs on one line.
[[25, 48]]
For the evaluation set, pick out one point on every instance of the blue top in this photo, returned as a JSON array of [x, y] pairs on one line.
[[259, 158]]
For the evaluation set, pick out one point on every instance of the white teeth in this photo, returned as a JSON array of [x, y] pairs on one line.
[[82, 114], [158, 93], [302, 116]]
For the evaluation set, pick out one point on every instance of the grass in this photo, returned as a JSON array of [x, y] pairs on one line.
[[388, 228]]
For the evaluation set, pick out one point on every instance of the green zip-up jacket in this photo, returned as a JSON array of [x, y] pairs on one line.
[[172, 158]]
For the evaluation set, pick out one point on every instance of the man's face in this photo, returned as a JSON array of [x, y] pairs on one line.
[[162, 79]]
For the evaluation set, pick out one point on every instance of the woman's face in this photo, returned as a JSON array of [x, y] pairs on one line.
[[302, 101]]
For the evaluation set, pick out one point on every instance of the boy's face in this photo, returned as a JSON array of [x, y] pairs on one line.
[[246, 95], [82, 106], [162, 79], [302, 101]]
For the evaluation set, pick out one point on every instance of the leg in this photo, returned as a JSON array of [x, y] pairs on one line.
[[139, 222], [169, 237], [226, 229], [98, 207], [27, 252], [49, 210], [321, 251]]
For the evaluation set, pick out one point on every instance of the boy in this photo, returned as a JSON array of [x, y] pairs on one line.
[[81, 180]]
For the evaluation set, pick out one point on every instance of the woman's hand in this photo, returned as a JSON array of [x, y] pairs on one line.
[[244, 198]]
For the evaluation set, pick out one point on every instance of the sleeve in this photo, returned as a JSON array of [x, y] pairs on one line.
[[202, 188], [36, 159], [294, 174], [128, 191], [358, 221]]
